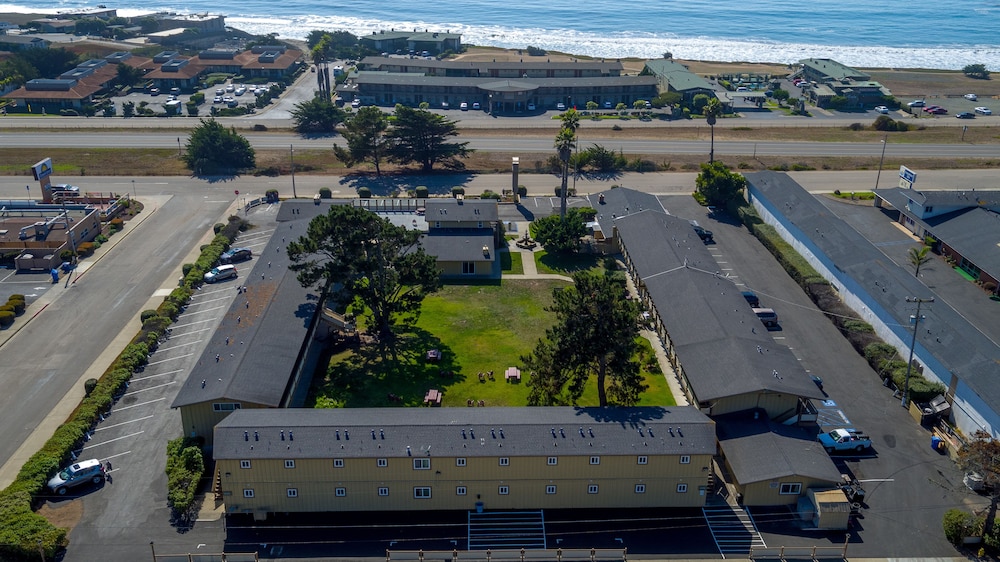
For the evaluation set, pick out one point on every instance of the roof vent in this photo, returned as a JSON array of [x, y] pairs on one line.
[[290, 437], [282, 434], [347, 436], [649, 430], [493, 433], [338, 435], [679, 432], [373, 434], [640, 432], [553, 430], [256, 437], [591, 431], [472, 434], [501, 434], [463, 434], [246, 436], [381, 433], [408, 451]]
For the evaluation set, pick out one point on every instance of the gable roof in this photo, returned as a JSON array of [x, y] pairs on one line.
[[758, 450], [678, 77], [463, 432], [468, 210], [620, 202], [460, 244]]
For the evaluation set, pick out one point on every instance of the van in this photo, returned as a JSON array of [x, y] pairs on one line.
[[767, 315]]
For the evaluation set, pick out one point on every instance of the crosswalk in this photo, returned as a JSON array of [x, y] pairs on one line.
[[500, 530]]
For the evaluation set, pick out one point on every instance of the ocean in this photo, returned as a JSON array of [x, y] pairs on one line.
[[886, 34]]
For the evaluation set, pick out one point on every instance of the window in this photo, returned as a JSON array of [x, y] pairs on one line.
[[422, 492], [468, 267], [504, 461], [383, 491], [553, 461], [382, 462], [292, 492], [244, 464], [592, 489], [338, 463], [340, 492], [480, 222], [685, 459], [289, 463], [550, 489], [595, 460], [640, 488], [460, 490], [503, 490], [460, 461], [421, 464], [247, 492], [682, 488], [642, 459], [437, 224], [224, 407], [788, 489]]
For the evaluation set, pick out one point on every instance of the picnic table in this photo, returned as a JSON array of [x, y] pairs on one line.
[[512, 373], [433, 396]]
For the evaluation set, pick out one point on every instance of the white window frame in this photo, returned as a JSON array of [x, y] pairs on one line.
[[550, 489], [552, 461], [593, 489], [225, 406], [292, 492], [340, 492], [682, 488], [338, 463], [685, 459], [422, 463], [640, 488], [381, 463], [383, 491], [289, 463], [422, 492], [790, 489], [503, 490], [244, 464], [595, 460], [247, 492], [504, 461], [460, 461], [642, 459], [461, 490]]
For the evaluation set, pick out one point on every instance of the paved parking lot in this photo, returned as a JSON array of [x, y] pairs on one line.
[[30, 284]]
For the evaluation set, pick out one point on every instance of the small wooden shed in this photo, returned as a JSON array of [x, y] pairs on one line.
[[826, 509]]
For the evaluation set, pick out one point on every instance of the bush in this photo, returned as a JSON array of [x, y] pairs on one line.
[[185, 467], [114, 225], [146, 315], [66, 255], [6, 318], [487, 194], [522, 191], [958, 525], [421, 192], [17, 306], [325, 193], [88, 386], [218, 227], [457, 190], [85, 249], [364, 192]]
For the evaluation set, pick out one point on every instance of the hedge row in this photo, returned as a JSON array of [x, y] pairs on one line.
[[13, 308], [185, 467], [22, 531], [881, 357]]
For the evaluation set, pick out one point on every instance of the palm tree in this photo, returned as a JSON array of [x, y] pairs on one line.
[[570, 119], [712, 110], [918, 257], [565, 143]]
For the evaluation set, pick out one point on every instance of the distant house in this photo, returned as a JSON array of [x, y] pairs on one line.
[[6, 26], [463, 236], [271, 62], [834, 79], [54, 25], [417, 42], [672, 76], [829, 70], [22, 42], [74, 88]]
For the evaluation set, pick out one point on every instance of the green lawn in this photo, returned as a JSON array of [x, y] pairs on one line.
[[566, 264], [511, 262], [478, 328]]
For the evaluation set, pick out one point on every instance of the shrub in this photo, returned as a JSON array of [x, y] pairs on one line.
[[522, 191], [185, 467], [186, 268], [114, 225], [958, 525], [364, 192], [146, 315], [88, 386], [271, 195], [218, 227], [457, 190], [325, 193], [17, 306], [421, 192], [66, 255], [487, 194], [85, 249], [6, 318], [100, 239]]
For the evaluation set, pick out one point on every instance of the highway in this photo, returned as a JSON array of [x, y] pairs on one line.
[[527, 144]]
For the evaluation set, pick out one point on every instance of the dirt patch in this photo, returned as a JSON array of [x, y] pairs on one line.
[[65, 515]]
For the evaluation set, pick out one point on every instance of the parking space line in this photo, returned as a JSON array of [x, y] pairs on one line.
[[170, 359], [109, 457], [122, 423], [136, 405], [204, 311], [207, 293], [178, 346], [150, 388], [227, 297], [175, 326], [168, 373], [113, 440], [191, 332]]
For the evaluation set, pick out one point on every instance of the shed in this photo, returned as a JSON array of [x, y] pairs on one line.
[[825, 509]]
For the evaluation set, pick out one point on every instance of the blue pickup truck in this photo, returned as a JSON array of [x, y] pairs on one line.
[[848, 439]]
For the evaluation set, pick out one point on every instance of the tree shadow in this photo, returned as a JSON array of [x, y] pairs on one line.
[[436, 184], [217, 178]]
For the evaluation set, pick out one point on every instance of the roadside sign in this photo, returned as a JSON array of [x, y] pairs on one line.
[[906, 177]]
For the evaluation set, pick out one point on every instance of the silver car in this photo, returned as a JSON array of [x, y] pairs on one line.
[[221, 273], [78, 473]]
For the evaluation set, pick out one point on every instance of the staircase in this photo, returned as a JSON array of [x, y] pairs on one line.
[[506, 530], [732, 529]]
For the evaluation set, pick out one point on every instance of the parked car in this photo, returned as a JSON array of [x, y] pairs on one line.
[[966, 115], [608, 105], [705, 235], [531, 107], [936, 110], [917, 103], [444, 105], [561, 106], [175, 90], [356, 104], [971, 97], [76, 474], [476, 106], [846, 439], [221, 273], [882, 109], [217, 99], [464, 106], [236, 255], [767, 315], [230, 88], [219, 91], [751, 298], [154, 91], [983, 111], [240, 91], [649, 105]]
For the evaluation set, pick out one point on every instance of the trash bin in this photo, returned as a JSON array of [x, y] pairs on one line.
[[479, 507], [936, 443]]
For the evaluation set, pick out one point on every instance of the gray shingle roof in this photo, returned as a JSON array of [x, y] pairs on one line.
[[488, 432], [620, 202], [460, 244], [485, 66], [443, 210], [679, 78], [758, 451], [721, 344], [957, 346], [974, 234], [365, 77]]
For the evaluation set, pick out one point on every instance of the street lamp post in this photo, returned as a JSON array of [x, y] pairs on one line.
[[913, 344], [291, 158], [133, 189], [880, 160]]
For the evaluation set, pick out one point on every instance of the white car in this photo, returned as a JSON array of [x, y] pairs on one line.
[[221, 273], [219, 91], [230, 88], [464, 106], [531, 107], [217, 99], [984, 111], [561, 106], [475, 105], [356, 104], [882, 109], [971, 97], [240, 91], [917, 103]]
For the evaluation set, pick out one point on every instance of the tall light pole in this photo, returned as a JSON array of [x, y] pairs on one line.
[[913, 344], [133, 189], [880, 160], [291, 158]]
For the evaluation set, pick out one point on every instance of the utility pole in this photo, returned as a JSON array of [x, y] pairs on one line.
[[880, 160], [913, 344], [291, 158]]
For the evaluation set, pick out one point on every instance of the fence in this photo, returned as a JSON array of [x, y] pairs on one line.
[[783, 553], [522, 555], [205, 557]]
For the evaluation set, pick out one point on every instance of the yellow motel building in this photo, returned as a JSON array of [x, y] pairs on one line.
[[408, 459]]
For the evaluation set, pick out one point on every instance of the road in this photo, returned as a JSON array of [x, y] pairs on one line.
[[525, 144]]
